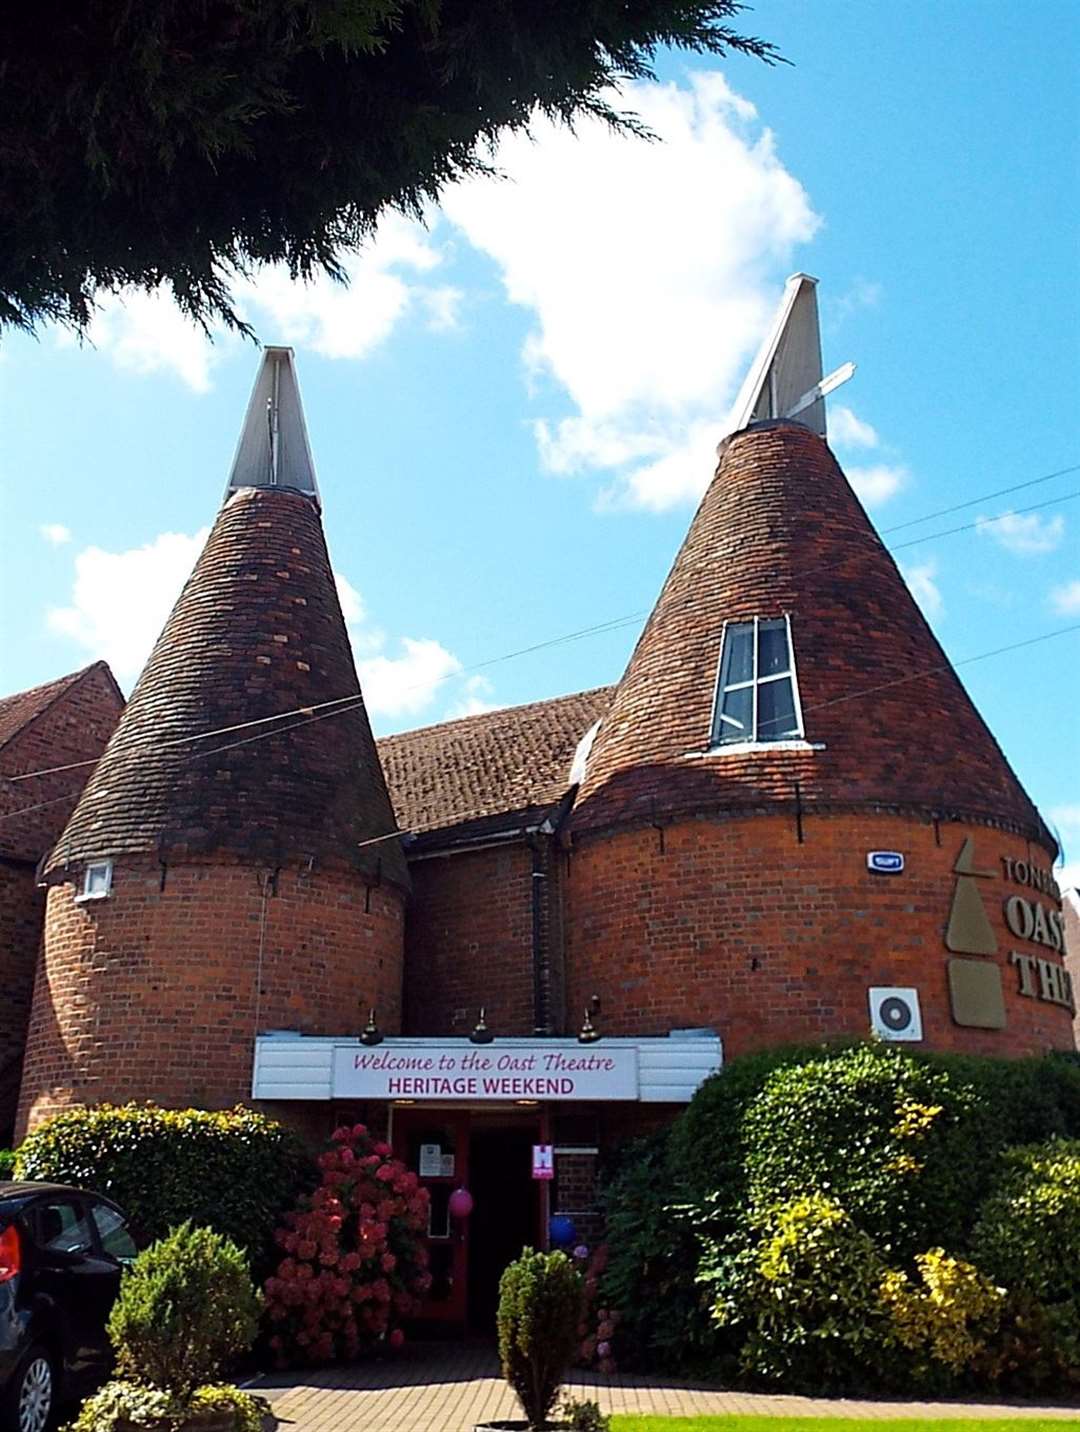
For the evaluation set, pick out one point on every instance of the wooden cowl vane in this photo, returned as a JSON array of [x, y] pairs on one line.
[[257, 632], [780, 535]]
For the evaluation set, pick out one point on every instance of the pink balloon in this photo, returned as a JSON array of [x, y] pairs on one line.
[[461, 1203]]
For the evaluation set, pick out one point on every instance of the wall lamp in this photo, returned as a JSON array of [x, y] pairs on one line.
[[481, 1034], [588, 1033], [371, 1033]]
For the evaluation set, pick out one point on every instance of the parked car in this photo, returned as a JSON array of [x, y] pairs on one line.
[[62, 1251]]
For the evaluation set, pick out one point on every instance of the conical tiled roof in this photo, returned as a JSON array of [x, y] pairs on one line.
[[780, 531], [257, 631]]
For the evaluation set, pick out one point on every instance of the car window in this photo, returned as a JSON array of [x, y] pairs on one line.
[[113, 1232], [62, 1227]]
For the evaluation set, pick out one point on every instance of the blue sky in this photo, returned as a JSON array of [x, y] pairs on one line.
[[512, 412]]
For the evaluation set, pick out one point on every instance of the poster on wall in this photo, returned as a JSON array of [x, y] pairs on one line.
[[431, 1161]]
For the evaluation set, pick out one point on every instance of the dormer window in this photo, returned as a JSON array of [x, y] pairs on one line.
[[97, 880], [757, 694]]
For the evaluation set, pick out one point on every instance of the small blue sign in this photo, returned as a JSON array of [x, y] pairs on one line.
[[884, 862]]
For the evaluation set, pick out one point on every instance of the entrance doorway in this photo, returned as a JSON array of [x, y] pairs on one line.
[[507, 1215], [489, 1152]]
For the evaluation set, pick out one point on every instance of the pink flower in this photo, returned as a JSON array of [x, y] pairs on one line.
[[384, 1150], [397, 1338], [603, 1349], [342, 1134], [389, 1262], [359, 1131], [385, 1174]]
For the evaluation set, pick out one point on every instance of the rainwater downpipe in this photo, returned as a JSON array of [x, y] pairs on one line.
[[539, 877]]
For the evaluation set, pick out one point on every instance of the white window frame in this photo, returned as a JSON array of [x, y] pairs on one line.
[[91, 866], [754, 682]]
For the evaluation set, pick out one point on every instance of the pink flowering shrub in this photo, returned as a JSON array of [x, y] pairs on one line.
[[597, 1326], [355, 1264]]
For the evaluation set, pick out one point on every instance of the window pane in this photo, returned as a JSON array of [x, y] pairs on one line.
[[738, 662], [776, 710], [734, 720], [63, 1228], [112, 1230], [772, 648]]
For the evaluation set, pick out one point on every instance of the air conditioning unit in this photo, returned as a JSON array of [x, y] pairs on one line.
[[894, 1012]]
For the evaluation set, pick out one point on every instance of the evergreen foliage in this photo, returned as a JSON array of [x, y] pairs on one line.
[[187, 1305], [231, 1170], [857, 1216], [183, 142], [539, 1308]]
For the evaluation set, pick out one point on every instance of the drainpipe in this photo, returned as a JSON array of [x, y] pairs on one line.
[[539, 878]]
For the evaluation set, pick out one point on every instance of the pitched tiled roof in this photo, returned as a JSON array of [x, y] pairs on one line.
[[16, 712], [490, 772], [781, 531], [257, 631]]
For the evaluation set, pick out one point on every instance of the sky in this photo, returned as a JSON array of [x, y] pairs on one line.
[[514, 408]]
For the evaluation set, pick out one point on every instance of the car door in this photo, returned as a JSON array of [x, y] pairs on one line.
[[117, 1250], [77, 1278]]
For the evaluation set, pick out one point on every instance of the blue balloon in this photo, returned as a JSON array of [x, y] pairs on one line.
[[562, 1231]]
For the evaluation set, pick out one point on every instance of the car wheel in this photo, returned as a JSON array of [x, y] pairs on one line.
[[30, 1396]]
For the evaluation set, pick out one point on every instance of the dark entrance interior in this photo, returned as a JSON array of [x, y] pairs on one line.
[[506, 1212]]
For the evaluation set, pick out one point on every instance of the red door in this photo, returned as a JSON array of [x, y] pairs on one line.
[[434, 1144]]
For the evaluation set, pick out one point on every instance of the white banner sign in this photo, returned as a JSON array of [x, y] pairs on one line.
[[484, 1073]]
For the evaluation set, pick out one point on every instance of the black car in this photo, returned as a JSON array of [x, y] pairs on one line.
[[61, 1255]]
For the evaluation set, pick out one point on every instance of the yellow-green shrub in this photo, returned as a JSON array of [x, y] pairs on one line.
[[950, 1316]]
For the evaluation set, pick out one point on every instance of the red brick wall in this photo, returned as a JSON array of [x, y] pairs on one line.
[[468, 942], [1071, 906], [736, 925], [21, 910], [74, 728], [151, 994]]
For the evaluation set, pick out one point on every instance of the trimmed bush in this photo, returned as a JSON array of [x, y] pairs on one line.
[[7, 1164], [948, 1317], [871, 1129], [652, 1255], [1028, 1238], [120, 1406], [231, 1170], [806, 1295], [186, 1307], [355, 1264], [539, 1308]]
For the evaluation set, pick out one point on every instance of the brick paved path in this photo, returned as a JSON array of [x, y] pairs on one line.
[[448, 1387]]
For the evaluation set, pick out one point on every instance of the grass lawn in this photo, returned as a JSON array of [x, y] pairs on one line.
[[651, 1423]]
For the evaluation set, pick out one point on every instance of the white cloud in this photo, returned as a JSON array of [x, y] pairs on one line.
[[848, 431], [404, 685], [651, 270], [877, 483], [473, 699], [55, 533], [1066, 598], [1025, 535], [120, 600], [922, 583], [147, 333]]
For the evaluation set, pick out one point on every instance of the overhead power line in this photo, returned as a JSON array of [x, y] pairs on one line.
[[598, 628]]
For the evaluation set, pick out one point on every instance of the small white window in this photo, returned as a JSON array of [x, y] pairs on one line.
[[97, 880], [757, 693]]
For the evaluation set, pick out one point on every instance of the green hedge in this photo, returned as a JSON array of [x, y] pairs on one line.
[[901, 1151], [7, 1164], [233, 1170]]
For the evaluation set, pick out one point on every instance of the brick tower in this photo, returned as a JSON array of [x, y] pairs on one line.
[[208, 887], [786, 714]]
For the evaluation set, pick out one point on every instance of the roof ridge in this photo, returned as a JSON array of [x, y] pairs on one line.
[[62, 685], [479, 716]]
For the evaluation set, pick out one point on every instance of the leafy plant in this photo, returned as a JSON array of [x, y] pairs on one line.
[[539, 1309], [355, 1264], [1028, 1238], [949, 1316], [870, 1128], [653, 1248], [186, 1306], [233, 1170], [121, 1406], [806, 1296], [583, 1416], [7, 1163]]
